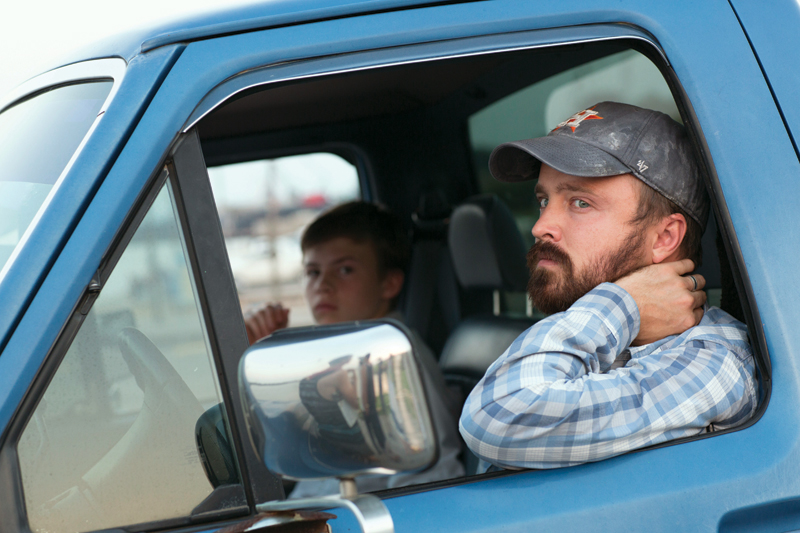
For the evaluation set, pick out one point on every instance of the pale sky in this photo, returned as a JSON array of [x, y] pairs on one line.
[[34, 33]]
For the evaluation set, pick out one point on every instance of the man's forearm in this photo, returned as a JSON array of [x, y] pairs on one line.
[[527, 393], [551, 399]]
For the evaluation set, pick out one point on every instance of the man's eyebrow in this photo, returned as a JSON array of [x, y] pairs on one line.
[[572, 187], [565, 186]]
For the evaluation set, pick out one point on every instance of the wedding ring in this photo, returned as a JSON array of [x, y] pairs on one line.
[[695, 283]]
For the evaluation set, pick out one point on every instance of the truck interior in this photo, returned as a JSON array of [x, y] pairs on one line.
[[418, 137]]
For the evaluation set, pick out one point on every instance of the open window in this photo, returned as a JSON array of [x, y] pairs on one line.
[[422, 122], [423, 131]]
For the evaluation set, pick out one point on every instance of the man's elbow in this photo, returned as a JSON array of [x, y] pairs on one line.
[[478, 430], [510, 445], [474, 437]]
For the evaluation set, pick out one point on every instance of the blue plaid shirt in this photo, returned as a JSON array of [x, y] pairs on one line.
[[552, 399]]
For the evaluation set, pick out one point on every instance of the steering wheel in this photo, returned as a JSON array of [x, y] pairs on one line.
[[153, 471]]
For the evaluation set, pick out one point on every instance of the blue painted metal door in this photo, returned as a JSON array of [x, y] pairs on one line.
[[699, 485]]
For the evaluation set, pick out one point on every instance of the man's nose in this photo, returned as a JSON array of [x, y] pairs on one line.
[[548, 227]]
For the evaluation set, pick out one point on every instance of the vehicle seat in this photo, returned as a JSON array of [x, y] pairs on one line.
[[488, 253], [710, 267], [430, 299], [716, 269]]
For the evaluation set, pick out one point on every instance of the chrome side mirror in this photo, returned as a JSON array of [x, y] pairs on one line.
[[338, 401]]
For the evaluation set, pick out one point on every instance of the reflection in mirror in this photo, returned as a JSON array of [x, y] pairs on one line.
[[337, 401]]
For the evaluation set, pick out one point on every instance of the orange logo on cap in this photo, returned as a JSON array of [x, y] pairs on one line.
[[575, 120]]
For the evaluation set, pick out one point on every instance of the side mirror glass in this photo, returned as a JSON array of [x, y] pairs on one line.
[[337, 401]]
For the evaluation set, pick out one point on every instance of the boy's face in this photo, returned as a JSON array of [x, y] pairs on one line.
[[343, 282]]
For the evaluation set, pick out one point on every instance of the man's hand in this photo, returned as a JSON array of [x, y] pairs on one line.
[[340, 383], [263, 322], [667, 304]]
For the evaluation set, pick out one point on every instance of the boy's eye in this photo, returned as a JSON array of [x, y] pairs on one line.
[[312, 273], [345, 270], [580, 204]]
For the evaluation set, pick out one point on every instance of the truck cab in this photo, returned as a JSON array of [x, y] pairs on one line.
[[120, 169]]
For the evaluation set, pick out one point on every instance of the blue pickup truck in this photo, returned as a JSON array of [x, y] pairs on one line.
[[112, 246]]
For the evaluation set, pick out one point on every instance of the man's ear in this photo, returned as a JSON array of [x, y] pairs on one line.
[[392, 284], [669, 236]]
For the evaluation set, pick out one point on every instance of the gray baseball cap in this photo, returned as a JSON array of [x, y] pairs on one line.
[[609, 139]]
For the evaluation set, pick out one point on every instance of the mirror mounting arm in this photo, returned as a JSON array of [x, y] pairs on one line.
[[369, 510]]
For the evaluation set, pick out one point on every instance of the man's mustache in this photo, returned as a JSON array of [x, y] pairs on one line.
[[546, 250]]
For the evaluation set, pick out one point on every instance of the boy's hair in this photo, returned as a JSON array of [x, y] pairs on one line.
[[362, 222]]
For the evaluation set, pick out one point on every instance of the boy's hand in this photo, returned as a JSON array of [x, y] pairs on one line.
[[667, 303], [264, 321]]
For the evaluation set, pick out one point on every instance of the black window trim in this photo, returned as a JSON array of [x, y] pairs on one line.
[[224, 320]]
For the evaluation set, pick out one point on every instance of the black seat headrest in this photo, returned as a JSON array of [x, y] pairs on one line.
[[477, 342], [486, 246]]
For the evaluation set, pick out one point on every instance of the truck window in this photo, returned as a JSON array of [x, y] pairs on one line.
[[53, 123], [112, 441], [264, 206], [425, 131]]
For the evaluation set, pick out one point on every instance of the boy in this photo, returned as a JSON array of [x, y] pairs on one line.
[[355, 257]]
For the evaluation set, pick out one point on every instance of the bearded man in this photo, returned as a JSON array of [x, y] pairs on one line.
[[631, 355]]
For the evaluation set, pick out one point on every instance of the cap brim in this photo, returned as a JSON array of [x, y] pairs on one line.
[[521, 160]]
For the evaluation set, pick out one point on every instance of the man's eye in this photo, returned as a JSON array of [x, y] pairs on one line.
[[543, 203], [580, 204]]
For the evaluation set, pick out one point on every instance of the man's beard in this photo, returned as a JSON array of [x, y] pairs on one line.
[[552, 291]]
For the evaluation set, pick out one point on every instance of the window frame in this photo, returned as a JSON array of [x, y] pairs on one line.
[[79, 73], [224, 319], [216, 154], [642, 41]]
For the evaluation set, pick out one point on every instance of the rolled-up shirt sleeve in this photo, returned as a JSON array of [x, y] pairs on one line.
[[551, 399]]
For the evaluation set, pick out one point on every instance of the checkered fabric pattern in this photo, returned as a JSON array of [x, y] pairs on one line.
[[552, 400]]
